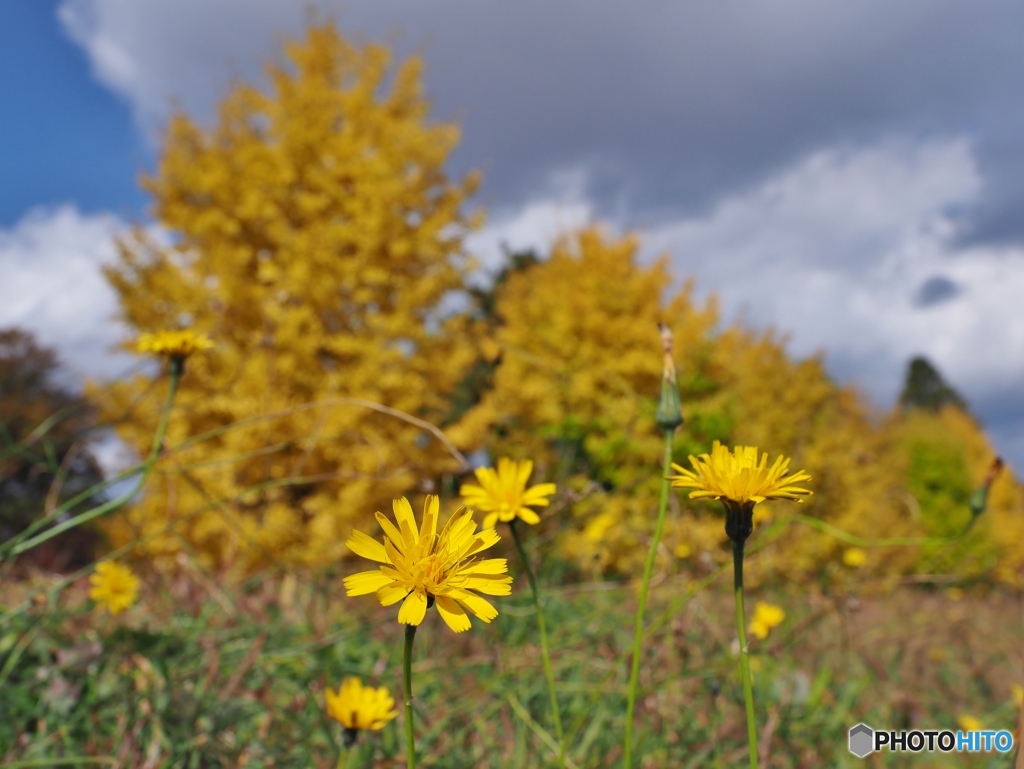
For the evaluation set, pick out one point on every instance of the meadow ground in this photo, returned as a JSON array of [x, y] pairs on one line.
[[202, 675]]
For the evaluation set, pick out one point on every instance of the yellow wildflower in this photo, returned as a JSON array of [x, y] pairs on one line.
[[1018, 695], [113, 586], [358, 707], [739, 476], [502, 493], [422, 568], [854, 557], [740, 480], [969, 723], [174, 345], [766, 616]]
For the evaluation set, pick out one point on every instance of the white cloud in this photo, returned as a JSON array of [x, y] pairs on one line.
[[835, 250], [186, 53], [53, 286], [534, 226]]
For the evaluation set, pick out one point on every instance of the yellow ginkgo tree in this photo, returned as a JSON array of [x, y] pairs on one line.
[[312, 233]]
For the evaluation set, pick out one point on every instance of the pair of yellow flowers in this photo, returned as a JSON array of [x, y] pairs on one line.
[[422, 568]]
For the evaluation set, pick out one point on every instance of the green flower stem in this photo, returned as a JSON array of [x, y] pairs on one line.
[[748, 692], [410, 735], [638, 637], [548, 671], [349, 758], [177, 366]]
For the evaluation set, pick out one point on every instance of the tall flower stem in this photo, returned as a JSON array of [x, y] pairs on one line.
[[638, 637], [410, 734], [748, 691], [545, 653]]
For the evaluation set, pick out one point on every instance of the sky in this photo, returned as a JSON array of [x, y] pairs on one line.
[[850, 174]]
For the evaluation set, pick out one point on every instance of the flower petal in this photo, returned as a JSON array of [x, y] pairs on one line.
[[454, 616], [392, 533], [490, 584], [366, 546], [523, 475], [486, 566], [392, 594], [365, 582], [474, 603], [528, 516], [406, 520], [431, 508], [414, 609], [482, 541]]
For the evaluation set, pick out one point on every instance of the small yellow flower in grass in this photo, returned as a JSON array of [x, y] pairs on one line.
[[969, 723], [359, 708], [422, 568], [766, 616], [502, 493], [114, 587], [854, 557], [174, 345], [741, 479], [1018, 695]]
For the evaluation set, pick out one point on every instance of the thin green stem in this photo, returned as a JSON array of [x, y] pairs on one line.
[[638, 637], [748, 691], [545, 653], [410, 735], [114, 504], [349, 757]]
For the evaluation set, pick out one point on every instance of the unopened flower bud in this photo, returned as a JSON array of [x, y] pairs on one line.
[[979, 499], [670, 413]]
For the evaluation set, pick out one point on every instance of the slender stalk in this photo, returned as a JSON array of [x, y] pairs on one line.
[[638, 637], [548, 671], [410, 735], [147, 468], [748, 692], [349, 757]]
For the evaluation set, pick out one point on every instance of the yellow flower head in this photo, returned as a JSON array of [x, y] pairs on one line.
[[421, 567], [174, 345], [502, 493], [854, 557], [766, 616], [969, 723], [739, 476], [114, 587], [358, 707], [1018, 695]]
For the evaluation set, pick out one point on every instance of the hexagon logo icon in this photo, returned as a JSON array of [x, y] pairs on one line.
[[862, 740]]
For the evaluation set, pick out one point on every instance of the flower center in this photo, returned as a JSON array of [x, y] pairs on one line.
[[428, 573]]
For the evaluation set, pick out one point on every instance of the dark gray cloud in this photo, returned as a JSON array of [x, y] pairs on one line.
[[936, 290], [667, 104]]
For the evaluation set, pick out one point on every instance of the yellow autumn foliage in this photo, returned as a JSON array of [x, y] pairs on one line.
[[576, 390], [312, 233]]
